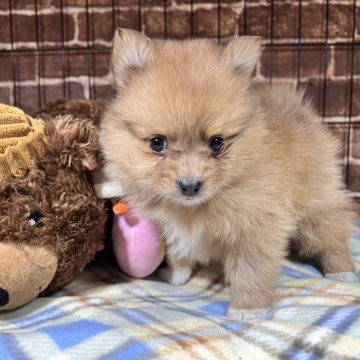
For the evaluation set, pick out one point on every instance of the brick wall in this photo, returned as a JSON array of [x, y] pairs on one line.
[[51, 49]]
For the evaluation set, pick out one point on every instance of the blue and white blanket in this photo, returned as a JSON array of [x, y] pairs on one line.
[[103, 314]]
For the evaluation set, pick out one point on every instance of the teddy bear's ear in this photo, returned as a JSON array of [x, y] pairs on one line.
[[73, 142]]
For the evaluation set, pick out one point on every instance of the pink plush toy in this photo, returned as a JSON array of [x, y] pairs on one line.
[[137, 244]]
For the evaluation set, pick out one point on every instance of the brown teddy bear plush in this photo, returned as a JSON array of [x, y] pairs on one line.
[[51, 222]]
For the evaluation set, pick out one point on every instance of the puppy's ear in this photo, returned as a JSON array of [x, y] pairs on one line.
[[131, 53], [243, 54]]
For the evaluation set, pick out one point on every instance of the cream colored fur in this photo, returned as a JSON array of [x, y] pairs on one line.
[[277, 177]]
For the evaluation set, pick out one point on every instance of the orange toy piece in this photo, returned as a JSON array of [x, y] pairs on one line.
[[120, 208]]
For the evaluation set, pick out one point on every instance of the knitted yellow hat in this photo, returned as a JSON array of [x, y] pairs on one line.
[[21, 142]]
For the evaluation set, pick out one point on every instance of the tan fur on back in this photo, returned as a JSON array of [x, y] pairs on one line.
[[276, 179]]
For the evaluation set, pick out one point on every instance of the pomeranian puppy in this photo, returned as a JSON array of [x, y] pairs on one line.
[[229, 169]]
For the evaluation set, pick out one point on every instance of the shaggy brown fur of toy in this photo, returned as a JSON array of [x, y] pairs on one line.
[[80, 109], [72, 219]]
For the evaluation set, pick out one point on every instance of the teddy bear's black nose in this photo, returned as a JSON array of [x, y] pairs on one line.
[[4, 297]]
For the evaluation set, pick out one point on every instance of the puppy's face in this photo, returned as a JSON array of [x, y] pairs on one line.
[[173, 131]]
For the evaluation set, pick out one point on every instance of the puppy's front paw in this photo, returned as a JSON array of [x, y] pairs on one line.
[[247, 315], [343, 276], [178, 276]]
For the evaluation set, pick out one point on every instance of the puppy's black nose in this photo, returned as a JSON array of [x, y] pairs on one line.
[[189, 187], [4, 297]]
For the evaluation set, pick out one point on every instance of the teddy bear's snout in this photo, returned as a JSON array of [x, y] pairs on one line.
[[25, 271], [4, 297]]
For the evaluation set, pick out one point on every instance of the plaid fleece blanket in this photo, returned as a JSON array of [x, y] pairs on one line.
[[105, 315]]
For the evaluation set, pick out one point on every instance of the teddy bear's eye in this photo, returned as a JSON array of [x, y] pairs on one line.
[[34, 219], [22, 191]]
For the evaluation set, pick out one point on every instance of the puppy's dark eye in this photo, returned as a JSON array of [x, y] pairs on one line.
[[34, 219], [158, 143], [216, 144]]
